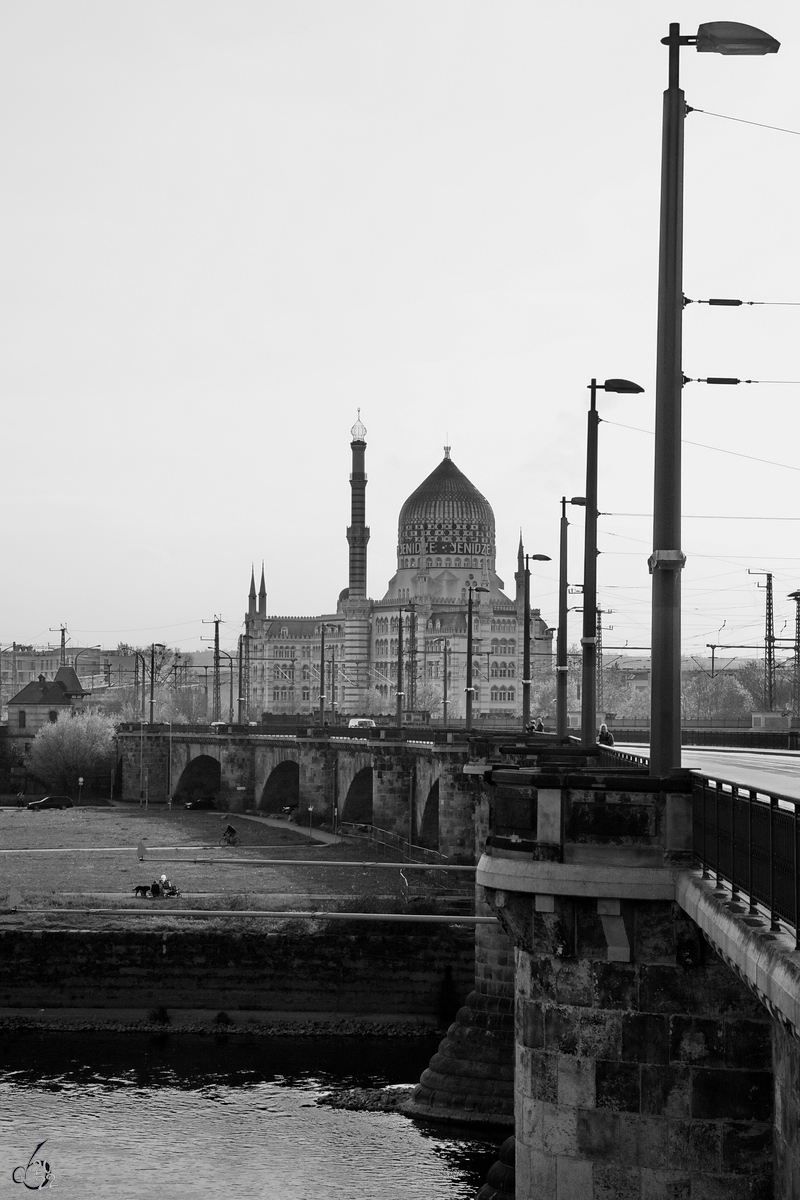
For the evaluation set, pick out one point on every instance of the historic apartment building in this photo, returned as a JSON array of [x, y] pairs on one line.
[[445, 550]]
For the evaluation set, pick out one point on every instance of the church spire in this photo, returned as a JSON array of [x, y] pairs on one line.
[[262, 594], [251, 607]]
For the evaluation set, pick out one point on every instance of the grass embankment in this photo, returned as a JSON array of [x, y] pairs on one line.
[[86, 858]]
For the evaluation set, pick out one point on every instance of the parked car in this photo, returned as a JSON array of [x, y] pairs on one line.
[[360, 723], [200, 802], [50, 802]]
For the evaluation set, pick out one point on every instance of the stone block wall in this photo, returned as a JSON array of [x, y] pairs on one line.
[[145, 766], [786, 1070], [457, 799], [375, 971], [640, 1080], [393, 772]]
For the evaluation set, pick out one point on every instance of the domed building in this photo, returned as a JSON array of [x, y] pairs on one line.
[[446, 551]]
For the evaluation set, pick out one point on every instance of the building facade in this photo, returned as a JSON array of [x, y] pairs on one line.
[[346, 662]]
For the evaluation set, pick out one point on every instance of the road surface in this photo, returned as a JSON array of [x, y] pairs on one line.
[[778, 771]]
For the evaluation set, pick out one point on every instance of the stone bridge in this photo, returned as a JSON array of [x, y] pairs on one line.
[[414, 789], [640, 1021]]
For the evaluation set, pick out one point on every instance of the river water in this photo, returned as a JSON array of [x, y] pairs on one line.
[[135, 1117]]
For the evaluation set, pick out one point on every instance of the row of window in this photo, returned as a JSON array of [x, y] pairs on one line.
[[443, 562], [288, 694]]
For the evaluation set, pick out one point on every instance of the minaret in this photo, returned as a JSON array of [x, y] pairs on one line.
[[357, 531], [262, 595], [355, 675]]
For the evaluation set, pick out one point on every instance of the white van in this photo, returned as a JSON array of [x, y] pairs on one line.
[[361, 723]]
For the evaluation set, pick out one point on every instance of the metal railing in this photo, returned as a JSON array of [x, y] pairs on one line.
[[436, 883], [384, 840], [750, 838]]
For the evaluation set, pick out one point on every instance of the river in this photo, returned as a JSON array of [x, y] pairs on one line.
[[134, 1117]]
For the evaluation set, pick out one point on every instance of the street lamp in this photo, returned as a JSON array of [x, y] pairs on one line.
[[562, 667], [471, 587], [77, 656], [667, 559], [526, 640], [80, 789], [160, 646], [589, 639]]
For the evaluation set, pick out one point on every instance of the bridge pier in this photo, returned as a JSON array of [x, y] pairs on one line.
[[643, 1066]]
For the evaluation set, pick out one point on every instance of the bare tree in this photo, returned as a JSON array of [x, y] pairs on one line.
[[74, 746]]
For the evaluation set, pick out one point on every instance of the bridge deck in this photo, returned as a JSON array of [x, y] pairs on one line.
[[776, 772]]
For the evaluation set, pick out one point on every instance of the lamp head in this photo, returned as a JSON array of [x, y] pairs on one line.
[[622, 385], [539, 557], [731, 37], [579, 500]]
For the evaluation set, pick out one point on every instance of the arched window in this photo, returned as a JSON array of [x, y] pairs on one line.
[[511, 694], [494, 693]]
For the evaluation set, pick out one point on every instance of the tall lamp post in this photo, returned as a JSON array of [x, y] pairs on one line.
[[667, 559], [526, 640], [470, 689], [589, 639], [562, 666]]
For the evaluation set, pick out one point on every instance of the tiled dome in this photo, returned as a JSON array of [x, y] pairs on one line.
[[448, 514]]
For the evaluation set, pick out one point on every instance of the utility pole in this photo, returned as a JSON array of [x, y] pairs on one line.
[[526, 648], [769, 642], [412, 658], [796, 669], [216, 702], [322, 676], [600, 699], [63, 630], [399, 708]]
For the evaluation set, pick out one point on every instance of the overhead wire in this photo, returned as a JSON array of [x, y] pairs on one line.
[[742, 120]]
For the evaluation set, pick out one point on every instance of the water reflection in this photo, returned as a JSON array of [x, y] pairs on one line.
[[233, 1117]]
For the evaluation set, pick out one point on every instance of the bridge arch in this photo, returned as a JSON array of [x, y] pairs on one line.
[[202, 776], [428, 831], [282, 787], [358, 801]]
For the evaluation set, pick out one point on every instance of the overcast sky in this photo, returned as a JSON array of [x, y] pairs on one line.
[[228, 225]]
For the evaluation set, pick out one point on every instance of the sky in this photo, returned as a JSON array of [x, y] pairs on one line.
[[225, 227]]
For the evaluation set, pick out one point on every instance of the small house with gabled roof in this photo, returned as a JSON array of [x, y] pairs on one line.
[[40, 702]]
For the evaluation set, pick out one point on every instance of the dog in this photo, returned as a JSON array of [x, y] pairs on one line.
[[142, 889]]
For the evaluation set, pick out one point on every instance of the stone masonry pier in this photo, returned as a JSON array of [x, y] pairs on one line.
[[655, 1025]]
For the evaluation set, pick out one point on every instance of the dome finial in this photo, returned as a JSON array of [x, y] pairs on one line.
[[359, 431], [447, 451]]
